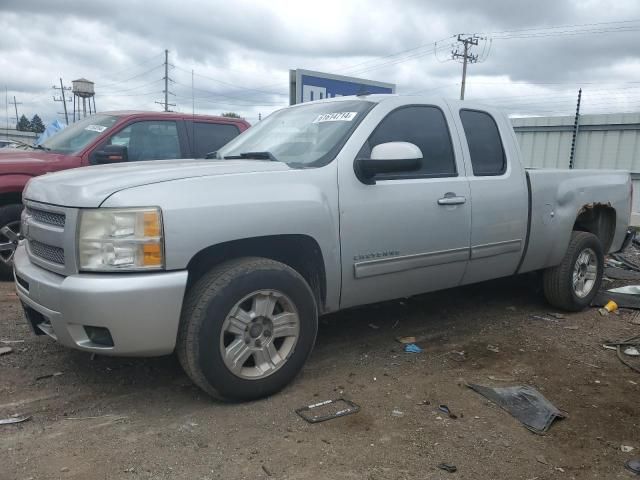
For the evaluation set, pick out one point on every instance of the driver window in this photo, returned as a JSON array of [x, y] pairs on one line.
[[425, 127], [149, 140]]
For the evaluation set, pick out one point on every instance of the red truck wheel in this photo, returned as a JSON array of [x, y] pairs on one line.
[[10, 218]]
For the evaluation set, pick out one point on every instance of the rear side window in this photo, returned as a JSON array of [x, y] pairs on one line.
[[485, 145], [209, 137], [425, 127]]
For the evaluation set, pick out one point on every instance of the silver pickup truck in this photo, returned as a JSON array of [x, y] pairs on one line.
[[320, 207]]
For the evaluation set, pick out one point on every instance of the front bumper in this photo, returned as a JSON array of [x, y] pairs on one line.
[[140, 311]]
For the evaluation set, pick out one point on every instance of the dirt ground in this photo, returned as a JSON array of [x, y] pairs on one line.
[[112, 418]]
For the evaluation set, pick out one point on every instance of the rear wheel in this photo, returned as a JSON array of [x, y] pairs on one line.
[[247, 328], [9, 218], [574, 283]]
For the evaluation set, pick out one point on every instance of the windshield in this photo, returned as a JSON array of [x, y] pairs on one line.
[[306, 135], [78, 135]]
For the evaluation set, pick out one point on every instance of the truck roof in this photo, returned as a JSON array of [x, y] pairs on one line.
[[385, 97], [177, 115]]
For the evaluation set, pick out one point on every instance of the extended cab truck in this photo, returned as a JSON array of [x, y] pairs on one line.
[[105, 138], [319, 207]]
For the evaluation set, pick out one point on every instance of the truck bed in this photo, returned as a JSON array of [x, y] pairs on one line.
[[556, 197]]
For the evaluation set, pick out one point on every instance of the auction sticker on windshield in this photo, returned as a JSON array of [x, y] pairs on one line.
[[95, 128], [336, 117]]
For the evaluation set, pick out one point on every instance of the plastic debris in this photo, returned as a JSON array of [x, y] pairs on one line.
[[374, 326], [559, 316], [624, 297], [327, 410], [412, 348], [632, 352], [524, 403], [633, 465], [5, 350], [445, 409], [397, 413], [626, 448], [493, 348], [611, 306], [448, 467], [14, 419]]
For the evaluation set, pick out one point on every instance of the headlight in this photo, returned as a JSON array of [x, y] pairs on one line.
[[121, 239]]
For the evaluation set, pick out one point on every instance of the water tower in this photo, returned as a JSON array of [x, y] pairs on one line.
[[82, 90]]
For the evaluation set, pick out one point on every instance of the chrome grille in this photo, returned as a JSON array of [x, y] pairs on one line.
[[50, 218], [47, 252]]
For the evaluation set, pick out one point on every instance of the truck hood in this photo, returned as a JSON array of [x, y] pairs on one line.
[[15, 161], [90, 186]]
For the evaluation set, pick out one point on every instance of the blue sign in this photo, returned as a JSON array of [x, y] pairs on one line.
[[307, 86]]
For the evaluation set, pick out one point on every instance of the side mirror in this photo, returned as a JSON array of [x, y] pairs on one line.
[[211, 155], [111, 154], [388, 158]]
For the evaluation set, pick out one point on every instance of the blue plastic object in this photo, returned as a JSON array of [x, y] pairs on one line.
[[412, 348]]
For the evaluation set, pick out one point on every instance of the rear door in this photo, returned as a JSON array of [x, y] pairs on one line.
[[499, 199], [208, 137]]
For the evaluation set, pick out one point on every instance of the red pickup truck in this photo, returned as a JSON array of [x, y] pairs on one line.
[[105, 138]]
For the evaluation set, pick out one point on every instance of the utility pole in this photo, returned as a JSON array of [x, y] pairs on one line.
[[166, 84], [576, 128], [15, 104], [63, 99], [467, 57]]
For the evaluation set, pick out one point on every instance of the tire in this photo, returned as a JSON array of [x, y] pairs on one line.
[[9, 216], [246, 304], [559, 288]]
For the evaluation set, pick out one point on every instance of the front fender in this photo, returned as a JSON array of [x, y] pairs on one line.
[[13, 183], [205, 211]]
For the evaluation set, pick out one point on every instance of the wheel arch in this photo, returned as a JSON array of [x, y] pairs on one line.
[[598, 219], [300, 252]]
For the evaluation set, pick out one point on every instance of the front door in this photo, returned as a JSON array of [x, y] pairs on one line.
[[409, 232]]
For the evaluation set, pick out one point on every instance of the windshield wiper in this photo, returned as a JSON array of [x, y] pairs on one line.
[[253, 155], [41, 147]]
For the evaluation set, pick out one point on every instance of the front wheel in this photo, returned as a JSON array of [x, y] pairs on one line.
[[247, 328], [10, 222], [574, 283]]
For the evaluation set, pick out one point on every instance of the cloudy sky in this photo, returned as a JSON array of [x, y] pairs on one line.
[[534, 55]]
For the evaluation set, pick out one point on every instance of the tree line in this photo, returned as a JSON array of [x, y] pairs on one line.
[[35, 125]]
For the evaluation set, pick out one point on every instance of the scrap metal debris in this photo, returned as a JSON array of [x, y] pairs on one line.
[[624, 297], [5, 350], [493, 348], [617, 273], [627, 263], [406, 340], [14, 419], [327, 410], [618, 345], [48, 375], [524, 403]]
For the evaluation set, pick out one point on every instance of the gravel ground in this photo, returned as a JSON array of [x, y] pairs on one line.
[[111, 418]]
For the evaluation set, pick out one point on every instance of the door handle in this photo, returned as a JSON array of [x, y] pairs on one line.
[[451, 198]]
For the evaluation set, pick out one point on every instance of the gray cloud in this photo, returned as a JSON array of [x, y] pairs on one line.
[[241, 51]]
